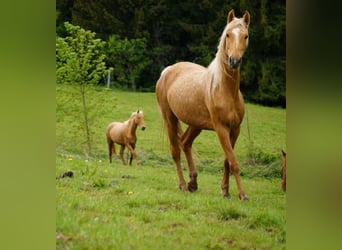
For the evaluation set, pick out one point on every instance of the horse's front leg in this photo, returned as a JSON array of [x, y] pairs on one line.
[[225, 179], [231, 163], [132, 153]]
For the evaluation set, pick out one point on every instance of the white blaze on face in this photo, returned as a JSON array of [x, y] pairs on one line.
[[236, 33]]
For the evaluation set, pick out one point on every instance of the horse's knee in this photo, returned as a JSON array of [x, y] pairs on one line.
[[234, 167]]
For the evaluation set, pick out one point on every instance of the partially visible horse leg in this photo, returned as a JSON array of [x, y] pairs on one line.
[[231, 162], [187, 139], [283, 182], [122, 149]]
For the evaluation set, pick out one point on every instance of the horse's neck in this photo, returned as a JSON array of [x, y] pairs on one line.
[[224, 78], [132, 127], [231, 81]]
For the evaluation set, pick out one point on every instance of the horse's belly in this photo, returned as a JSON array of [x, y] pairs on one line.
[[189, 106], [116, 133]]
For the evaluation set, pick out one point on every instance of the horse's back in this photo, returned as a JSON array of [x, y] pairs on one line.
[[182, 71], [182, 88]]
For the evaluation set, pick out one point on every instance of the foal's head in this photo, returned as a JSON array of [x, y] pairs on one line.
[[138, 118], [234, 40]]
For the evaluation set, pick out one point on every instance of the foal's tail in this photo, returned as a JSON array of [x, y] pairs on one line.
[[111, 147]]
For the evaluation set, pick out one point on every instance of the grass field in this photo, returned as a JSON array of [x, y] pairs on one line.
[[107, 206]]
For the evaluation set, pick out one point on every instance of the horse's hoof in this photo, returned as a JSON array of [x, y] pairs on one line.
[[243, 197], [226, 196], [192, 186], [182, 187]]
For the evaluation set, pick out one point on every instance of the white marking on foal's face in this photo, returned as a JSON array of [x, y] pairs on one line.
[[236, 32]]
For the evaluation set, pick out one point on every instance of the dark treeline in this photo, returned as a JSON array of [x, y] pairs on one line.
[[189, 30]]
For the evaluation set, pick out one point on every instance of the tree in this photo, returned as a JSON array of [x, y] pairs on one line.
[[80, 61], [187, 30], [129, 58]]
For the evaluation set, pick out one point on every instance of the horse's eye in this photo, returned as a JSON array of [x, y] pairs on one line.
[[246, 37], [227, 35]]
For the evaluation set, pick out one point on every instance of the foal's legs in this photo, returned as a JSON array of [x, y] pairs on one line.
[[187, 139], [122, 149], [131, 148]]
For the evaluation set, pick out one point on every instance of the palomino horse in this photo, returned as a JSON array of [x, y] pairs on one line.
[[207, 98], [283, 181], [123, 133]]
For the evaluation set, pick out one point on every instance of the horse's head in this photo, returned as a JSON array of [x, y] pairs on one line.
[[235, 38], [139, 119]]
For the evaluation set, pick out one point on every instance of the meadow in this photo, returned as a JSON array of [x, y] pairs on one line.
[[111, 206]]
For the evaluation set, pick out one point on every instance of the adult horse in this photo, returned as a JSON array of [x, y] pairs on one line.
[[207, 98], [124, 134]]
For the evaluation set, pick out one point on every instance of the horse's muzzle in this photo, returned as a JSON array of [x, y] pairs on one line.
[[234, 62]]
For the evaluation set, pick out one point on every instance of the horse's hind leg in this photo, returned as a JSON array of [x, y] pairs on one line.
[[122, 149], [187, 139], [174, 129]]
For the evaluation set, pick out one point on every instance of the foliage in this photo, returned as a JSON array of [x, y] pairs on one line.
[[70, 129], [128, 57], [80, 61], [189, 31], [79, 57]]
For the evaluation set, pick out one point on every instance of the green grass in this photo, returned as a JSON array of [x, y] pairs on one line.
[[110, 206]]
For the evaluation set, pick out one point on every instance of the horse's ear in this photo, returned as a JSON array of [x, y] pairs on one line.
[[246, 18], [230, 16], [283, 152], [138, 111]]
